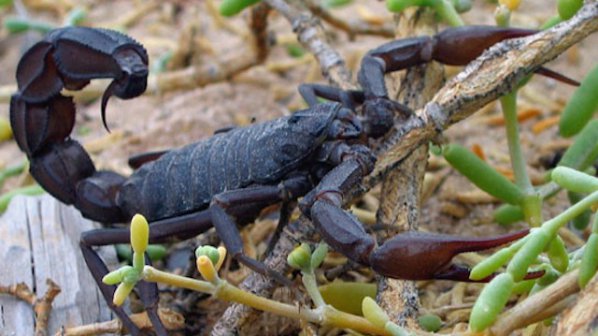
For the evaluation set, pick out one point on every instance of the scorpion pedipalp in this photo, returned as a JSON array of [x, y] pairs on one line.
[[408, 255], [424, 256], [461, 45], [453, 46]]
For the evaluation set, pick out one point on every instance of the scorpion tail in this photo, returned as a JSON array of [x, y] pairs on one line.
[[42, 119], [37, 74], [59, 164], [36, 126]]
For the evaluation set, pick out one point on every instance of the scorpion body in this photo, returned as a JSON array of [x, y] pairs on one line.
[[187, 179], [318, 153]]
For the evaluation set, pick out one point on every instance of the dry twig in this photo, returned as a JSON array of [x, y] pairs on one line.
[[197, 76], [402, 187], [582, 316], [358, 28], [172, 321], [41, 307], [311, 35]]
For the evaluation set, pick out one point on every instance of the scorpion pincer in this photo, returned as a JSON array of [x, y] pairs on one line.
[[222, 181], [454, 46]]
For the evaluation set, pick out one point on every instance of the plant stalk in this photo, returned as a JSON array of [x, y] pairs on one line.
[[325, 315]]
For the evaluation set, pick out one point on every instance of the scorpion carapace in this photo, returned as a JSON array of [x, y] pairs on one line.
[[225, 180]]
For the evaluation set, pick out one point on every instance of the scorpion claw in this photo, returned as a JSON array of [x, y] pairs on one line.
[[422, 256], [556, 76], [461, 45], [460, 273]]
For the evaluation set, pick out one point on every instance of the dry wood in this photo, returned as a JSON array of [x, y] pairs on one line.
[[41, 306], [39, 240], [402, 188], [582, 317], [311, 35], [173, 321]]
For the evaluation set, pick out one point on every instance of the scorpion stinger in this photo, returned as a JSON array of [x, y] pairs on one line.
[[132, 81]]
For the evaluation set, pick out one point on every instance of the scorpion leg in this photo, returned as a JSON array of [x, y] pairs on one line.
[[286, 209], [182, 227], [349, 98], [223, 208], [148, 292], [98, 269], [150, 298], [138, 160]]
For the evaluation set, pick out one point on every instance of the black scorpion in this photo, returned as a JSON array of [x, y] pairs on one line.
[[318, 153]]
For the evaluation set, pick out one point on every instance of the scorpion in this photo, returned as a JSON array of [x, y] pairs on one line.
[[317, 153]]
